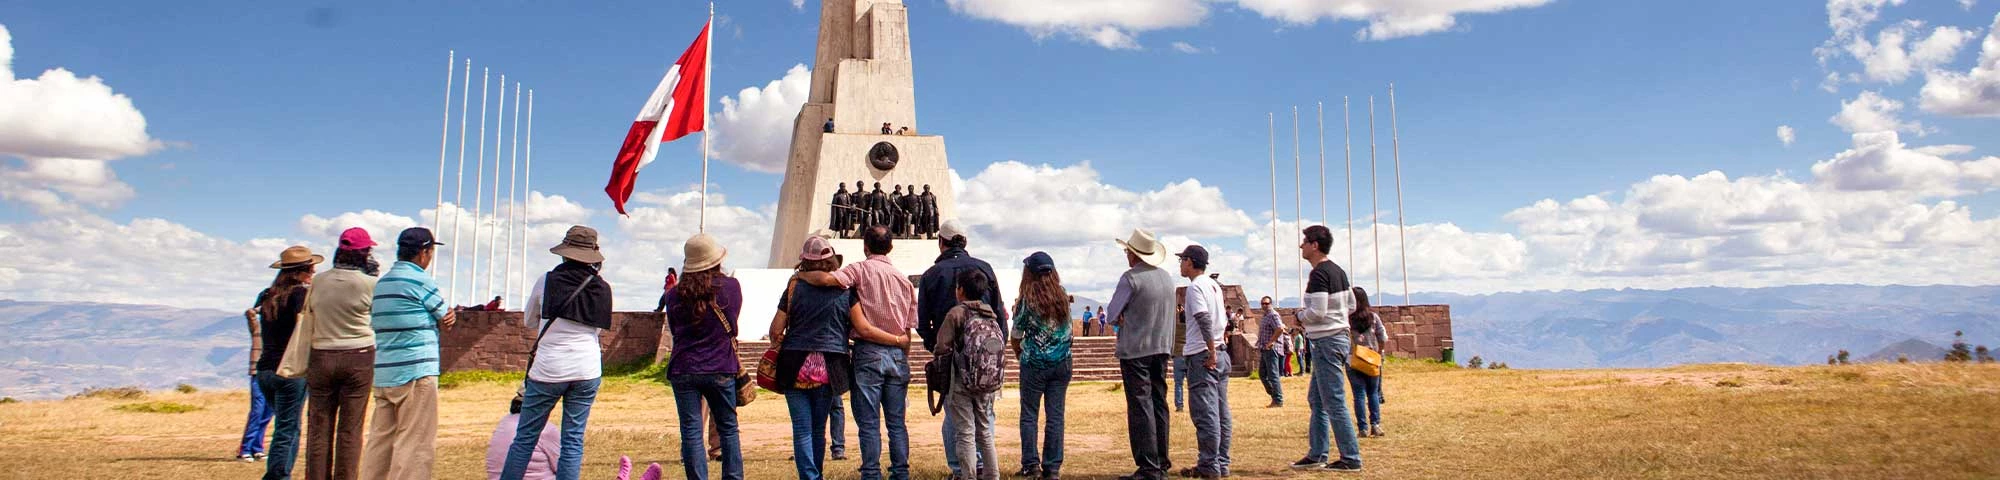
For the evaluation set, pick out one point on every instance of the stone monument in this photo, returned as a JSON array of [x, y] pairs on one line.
[[862, 79]]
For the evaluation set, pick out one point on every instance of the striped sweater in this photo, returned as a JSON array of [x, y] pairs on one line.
[[405, 316]]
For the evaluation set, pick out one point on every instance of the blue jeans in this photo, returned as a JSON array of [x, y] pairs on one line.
[[1267, 370], [253, 427], [287, 400], [836, 429], [809, 410], [1037, 384], [1180, 381], [880, 396], [1213, 428], [1327, 401], [1367, 397], [719, 391], [537, 399]]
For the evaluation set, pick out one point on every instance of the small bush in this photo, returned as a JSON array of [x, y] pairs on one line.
[[1960, 353], [1729, 383], [184, 388], [113, 393], [1984, 355], [7, 400], [1842, 357], [156, 407], [1902, 358], [1476, 362]]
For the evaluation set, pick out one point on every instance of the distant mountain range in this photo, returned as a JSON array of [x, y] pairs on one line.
[[57, 349]]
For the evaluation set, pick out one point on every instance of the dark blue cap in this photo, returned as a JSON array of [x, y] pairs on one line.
[[1196, 253], [416, 238], [1039, 262]]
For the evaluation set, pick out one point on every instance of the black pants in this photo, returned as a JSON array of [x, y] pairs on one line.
[[1146, 413]]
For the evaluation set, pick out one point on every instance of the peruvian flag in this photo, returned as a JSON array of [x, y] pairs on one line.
[[679, 106]]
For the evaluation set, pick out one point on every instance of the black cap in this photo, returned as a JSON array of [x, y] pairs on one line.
[[416, 238], [1040, 262], [1196, 253]]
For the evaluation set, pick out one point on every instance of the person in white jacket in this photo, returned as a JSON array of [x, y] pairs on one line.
[[1328, 301]]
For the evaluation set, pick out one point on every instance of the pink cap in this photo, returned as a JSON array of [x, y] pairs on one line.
[[355, 239], [816, 249]]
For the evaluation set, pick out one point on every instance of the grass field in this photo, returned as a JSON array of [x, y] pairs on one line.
[[1710, 421]]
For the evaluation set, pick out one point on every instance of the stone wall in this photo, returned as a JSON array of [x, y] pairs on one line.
[[499, 341], [1414, 331]]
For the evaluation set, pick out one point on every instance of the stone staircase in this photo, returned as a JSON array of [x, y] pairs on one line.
[[1092, 359]]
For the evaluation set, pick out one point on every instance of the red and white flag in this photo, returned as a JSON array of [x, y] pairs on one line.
[[678, 107]]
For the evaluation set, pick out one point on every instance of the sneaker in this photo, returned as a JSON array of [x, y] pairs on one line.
[[1029, 472], [1307, 463], [1342, 466], [1275, 405], [246, 458], [1375, 431], [259, 456], [839, 455]]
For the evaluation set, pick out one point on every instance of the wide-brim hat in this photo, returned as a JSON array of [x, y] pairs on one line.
[[701, 253], [1146, 247], [296, 256], [579, 244]]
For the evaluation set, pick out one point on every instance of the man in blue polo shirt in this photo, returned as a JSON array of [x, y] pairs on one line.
[[406, 315]]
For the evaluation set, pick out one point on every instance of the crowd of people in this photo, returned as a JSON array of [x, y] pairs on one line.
[[841, 337]]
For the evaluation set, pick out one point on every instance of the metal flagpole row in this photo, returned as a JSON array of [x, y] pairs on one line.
[[1396, 153], [1374, 209], [1273, 120], [495, 256], [1321, 115], [1298, 205], [528, 187], [444, 139], [458, 201], [1347, 145], [479, 191], [513, 194], [493, 212]]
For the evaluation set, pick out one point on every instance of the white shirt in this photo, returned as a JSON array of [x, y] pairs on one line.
[[570, 352], [1203, 295]]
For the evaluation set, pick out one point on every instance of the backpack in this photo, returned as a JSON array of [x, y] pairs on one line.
[[980, 366]]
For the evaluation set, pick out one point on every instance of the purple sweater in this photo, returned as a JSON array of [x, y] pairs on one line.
[[703, 340]]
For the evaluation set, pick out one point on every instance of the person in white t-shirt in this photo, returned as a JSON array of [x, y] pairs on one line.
[[1203, 313], [568, 307]]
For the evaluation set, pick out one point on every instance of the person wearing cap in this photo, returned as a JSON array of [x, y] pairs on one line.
[[881, 371], [568, 306], [1329, 299], [1270, 334], [1041, 342], [702, 319], [935, 299], [406, 316], [341, 369], [1142, 308], [277, 313], [812, 326], [1208, 364]]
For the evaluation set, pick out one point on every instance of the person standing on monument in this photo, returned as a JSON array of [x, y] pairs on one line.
[[407, 315], [569, 306], [1207, 357], [702, 319], [886, 130], [828, 128], [881, 371], [1269, 334], [1329, 300], [1142, 308], [935, 299], [341, 368]]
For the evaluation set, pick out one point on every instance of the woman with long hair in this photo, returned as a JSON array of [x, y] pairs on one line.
[[1041, 341], [1367, 389], [810, 331], [701, 314], [277, 313]]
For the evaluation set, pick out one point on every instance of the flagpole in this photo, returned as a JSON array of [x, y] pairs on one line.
[[1298, 202], [513, 208], [1273, 120], [479, 191], [1396, 153], [528, 187], [444, 139], [1347, 146], [1374, 208], [458, 201], [493, 234], [1322, 160], [707, 55]]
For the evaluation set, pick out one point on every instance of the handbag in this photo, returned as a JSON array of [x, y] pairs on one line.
[[746, 391], [937, 380], [767, 369], [812, 374], [298, 351], [1367, 361]]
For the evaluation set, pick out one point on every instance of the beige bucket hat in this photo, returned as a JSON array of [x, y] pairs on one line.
[[701, 253], [579, 244]]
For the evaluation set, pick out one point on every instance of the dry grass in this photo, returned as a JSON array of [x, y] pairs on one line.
[[1860, 421]]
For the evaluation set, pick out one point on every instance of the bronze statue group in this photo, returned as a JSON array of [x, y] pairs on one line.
[[908, 214]]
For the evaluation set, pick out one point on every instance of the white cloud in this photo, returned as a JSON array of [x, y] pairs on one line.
[[1786, 135], [1886, 60], [1011, 203], [63, 129], [754, 128], [1387, 19], [147, 261], [1880, 162], [1112, 24], [1187, 48], [1871, 112], [798, 4], [1973, 93]]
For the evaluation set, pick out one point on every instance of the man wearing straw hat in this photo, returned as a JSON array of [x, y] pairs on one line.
[[569, 306], [1143, 309], [406, 316]]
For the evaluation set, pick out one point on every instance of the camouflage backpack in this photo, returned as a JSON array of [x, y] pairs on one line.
[[982, 356]]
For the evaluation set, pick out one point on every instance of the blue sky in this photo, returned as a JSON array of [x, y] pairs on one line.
[[266, 112]]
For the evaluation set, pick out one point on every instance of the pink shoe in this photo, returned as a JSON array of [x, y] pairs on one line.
[[624, 467], [652, 472]]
